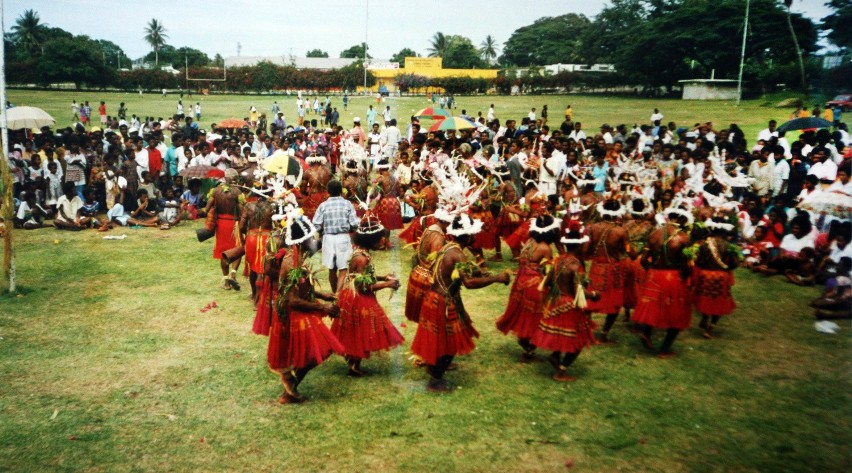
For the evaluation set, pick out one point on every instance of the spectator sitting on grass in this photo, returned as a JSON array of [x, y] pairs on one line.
[[30, 214], [193, 201], [836, 300], [170, 214], [145, 214], [68, 210]]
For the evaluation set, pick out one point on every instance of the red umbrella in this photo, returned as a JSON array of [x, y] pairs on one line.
[[232, 123], [432, 112]]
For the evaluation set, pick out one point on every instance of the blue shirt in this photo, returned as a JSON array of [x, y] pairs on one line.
[[600, 174], [335, 215]]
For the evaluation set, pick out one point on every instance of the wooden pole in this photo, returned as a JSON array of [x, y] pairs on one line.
[[8, 202]]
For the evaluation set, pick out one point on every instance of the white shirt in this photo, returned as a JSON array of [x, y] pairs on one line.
[[490, 116], [825, 170], [656, 116], [531, 116], [141, 161], [766, 135], [387, 115], [782, 173], [608, 138], [835, 253], [795, 245], [577, 135], [197, 160]]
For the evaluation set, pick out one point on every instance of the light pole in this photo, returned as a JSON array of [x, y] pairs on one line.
[[742, 55], [366, 30]]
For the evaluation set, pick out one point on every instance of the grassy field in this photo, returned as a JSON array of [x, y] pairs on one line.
[[108, 364], [751, 115]]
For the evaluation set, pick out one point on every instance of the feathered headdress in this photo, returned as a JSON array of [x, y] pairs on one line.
[[455, 191], [575, 234]]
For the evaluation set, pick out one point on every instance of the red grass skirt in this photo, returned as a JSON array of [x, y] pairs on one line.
[[441, 331], [607, 278], [302, 341], [713, 292], [363, 327], [225, 238], [564, 328], [390, 213], [419, 284], [267, 295], [664, 301], [634, 278], [519, 236], [526, 304], [255, 249], [484, 240], [311, 202], [415, 230], [506, 223]]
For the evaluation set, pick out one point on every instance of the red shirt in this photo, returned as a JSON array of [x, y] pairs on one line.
[[155, 162], [102, 109]]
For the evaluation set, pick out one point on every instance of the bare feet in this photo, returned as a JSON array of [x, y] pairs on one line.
[[440, 386], [563, 377]]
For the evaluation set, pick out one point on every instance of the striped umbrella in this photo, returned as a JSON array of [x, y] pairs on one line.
[[452, 123], [433, 112]]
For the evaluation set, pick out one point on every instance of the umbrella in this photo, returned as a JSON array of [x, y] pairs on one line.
[[832, 203], [201, 171], [27, 117], [805, 123], [280, 162], [433, 112], [232, 123], [452, 123]]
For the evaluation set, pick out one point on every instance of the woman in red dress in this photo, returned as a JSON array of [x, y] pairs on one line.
[[714, 275], [526, 299], [363, 327], [565, 327]]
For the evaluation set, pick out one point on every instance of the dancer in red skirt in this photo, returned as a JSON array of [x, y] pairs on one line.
[[565, 327], [314, 184], [445, 329], [256, 226], [363, 327], [298, 339], [664, 300], [638, 229], [424, 203], [387, 209], [526, 300], [714, 277], [607, 251], [267, 294], [224, 206], [421, 278], [509, 214]]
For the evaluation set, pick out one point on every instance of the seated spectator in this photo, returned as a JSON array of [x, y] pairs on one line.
[[145, 214], [170, 214], [30, 214], [193, 201], [836, 300], [68, 210]]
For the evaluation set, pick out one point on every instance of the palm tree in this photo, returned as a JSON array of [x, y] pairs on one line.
[[155, 35], [440, 45], [788, 3], [29, 32], [488, 49]]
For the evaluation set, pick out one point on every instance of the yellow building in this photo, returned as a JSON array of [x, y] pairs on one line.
[[430, 67]]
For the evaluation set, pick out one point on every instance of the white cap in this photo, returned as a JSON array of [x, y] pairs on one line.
[[357, 119]]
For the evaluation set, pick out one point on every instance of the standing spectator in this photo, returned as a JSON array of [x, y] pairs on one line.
[[75, 171], [103, 112], [387, 115], [371, 116], [197, 111], [335, 218], [85, 112], [656, 117], [75, 111]]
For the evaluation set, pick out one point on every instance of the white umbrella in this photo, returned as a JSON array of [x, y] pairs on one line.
[[28, 117]]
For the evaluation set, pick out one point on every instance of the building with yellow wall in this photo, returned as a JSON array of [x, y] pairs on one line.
[[430, 67]]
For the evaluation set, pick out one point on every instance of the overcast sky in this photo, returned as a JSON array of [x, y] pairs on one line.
[[274, 28]]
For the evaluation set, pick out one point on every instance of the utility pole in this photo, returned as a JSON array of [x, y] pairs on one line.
[[742, 54], [366, 35]]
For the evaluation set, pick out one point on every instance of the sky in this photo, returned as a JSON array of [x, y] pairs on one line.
[[286, 27]]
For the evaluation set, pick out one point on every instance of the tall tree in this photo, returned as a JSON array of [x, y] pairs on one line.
[[838, 23], [155, 36], [461, 54], [78, 60], [440, 44], [218, 60], [316, 53], [356, 51], [548, 40], [402, 54], [28, 32], [488, 49]]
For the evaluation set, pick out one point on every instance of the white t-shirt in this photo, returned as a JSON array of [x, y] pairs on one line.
[[782, 173], [825, 170], [70, 207], [766, 135], [656, 117], [835, 253], [795, 245]]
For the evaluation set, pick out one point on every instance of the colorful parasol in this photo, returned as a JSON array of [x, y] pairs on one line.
[[452, 123], [28, 117], [433, 112]]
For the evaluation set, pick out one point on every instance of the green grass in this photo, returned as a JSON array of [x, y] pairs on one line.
[[751, 115], [109, 336]]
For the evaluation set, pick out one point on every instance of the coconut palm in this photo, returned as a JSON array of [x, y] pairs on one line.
[[440, 45], [488, 49], [788, 3], [155, 35], [28, 31]]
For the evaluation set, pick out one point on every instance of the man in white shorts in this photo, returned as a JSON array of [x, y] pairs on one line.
[[335, 218]]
